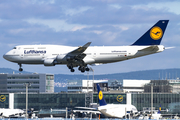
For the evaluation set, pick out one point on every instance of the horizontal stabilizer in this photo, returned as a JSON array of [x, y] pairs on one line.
[[150, 48]]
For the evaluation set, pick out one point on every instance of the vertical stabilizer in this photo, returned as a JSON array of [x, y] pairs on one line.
[[154, 35], [100, 96], [159, 111]]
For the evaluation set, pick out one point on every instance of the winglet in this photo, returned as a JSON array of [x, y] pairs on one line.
[[87, 44], [100, 96], [154, 35]]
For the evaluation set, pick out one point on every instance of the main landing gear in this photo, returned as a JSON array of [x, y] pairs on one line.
[[71, 68], [81, 68], [20, 67]]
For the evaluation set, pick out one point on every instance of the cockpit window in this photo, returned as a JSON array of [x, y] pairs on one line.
[[14, 48]]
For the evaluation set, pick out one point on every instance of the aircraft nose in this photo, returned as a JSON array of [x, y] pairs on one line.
[[8, 56], [5, 56]]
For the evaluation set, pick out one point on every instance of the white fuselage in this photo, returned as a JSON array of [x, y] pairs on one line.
[[117, 110], [37, 54], [6, 112]]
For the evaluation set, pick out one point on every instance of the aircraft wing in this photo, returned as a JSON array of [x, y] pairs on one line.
[[78, 54], [88, 108], [79, 50], [87, 111]]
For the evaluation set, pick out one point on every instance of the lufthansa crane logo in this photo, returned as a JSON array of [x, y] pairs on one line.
[[100, 95], [156, 33], [2, 98], [119, 98]]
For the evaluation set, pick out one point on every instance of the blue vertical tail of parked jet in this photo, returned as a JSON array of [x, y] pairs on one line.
[[154, 35], [159, 111], [100, 96]]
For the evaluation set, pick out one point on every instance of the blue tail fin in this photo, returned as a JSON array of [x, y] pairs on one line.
[[154, 35], [100, 96], [159, 111]]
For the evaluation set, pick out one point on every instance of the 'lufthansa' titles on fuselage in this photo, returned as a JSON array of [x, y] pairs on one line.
[[34, 51], [116, 51]]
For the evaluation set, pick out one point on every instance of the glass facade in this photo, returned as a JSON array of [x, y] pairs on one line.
[[3, 83], [23, 76], [14, 83], [49, 77], [115, 98], [63, 100], [166, 101], [47, 101]]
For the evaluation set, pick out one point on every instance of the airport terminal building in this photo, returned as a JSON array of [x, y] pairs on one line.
[[13, 83], [45, 98], [169, 101]]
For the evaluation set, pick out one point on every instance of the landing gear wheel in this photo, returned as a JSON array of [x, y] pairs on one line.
[[79, 68], [82, 69], [87, 69], [72, 70], [20, 69], [70, 67]]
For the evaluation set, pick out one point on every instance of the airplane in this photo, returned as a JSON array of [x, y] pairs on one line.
[[82, 56], [156, 114], [109, 110], [6, 113], [114, 110]]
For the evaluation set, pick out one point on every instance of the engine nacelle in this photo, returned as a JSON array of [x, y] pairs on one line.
[[49, 62], [60, 58]]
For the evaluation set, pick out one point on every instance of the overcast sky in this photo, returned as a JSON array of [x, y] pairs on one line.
[[102, 22]]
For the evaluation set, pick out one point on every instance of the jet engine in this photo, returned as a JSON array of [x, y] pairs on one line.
[[61, 58], [49, 62]]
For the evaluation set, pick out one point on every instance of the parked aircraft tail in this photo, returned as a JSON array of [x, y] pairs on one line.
[[159, 111], [154, 35], [100, 96]]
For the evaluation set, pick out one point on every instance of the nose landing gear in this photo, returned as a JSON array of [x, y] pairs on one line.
[[20, 67]]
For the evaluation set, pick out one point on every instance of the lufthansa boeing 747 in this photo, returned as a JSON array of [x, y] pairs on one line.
[[81, 57]]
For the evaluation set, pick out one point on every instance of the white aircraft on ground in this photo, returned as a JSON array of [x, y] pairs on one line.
[[6, 112], [114, 110], [51, 55], [109, 110]]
